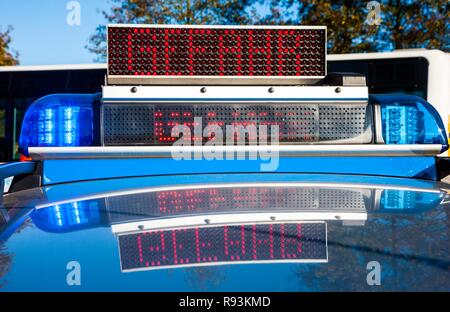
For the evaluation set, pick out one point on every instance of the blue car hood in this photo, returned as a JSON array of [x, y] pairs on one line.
[[227, 232]]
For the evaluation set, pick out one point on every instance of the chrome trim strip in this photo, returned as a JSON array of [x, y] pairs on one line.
[[378, 125], [212, 220], [89, 152], [349, 186], [234, 93], [211, 80], [220, 263]]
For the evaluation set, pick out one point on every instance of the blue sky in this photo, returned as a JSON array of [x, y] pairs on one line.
[[41, 34]]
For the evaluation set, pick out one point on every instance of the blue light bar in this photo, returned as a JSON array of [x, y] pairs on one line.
[[409, 119], [58, 120]]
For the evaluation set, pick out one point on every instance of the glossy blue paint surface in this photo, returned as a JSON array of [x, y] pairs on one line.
[[411, 246], [81, 205], [16, 168], [69, 170]]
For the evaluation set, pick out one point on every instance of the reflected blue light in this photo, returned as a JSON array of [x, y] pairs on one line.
[[409, 201], [68, 217]]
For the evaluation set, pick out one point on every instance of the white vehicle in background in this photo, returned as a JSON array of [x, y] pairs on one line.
[[421, 72]]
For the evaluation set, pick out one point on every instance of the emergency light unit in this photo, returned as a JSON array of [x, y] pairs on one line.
[[163, 76]]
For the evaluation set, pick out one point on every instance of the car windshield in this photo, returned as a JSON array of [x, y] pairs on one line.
[[259, 232]]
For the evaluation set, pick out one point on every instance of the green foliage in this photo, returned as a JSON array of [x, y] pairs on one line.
[[7, 57]]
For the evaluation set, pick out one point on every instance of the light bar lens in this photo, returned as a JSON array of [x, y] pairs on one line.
[[58, 120], [216, 51], [410, 120]]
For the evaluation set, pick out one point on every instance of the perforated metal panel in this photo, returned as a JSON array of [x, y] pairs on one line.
[[152, 124], [343, 121], [130, 124], [228, 200]]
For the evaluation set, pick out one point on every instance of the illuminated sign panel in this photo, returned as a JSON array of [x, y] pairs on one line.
[[216, 51], [152, 124], [294, 242]]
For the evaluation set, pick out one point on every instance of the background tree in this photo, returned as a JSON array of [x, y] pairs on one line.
[[199, 12], [409, 246], [7, 57], [345, 21], [420, 24], [5, 263], [403, 24]]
